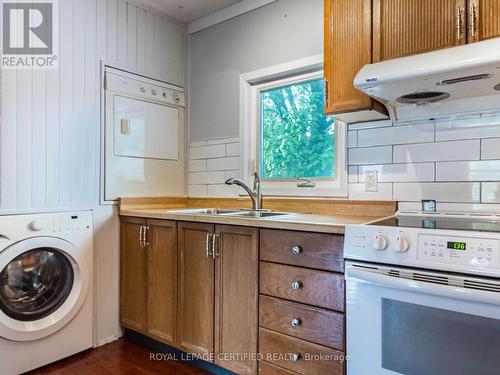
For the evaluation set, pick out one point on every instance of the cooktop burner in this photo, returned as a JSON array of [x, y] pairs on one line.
[[439, 222]]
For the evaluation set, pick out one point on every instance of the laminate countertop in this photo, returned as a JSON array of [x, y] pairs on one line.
[[293, 221]]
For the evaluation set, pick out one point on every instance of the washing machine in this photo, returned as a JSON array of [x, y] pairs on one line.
[[46, 304]]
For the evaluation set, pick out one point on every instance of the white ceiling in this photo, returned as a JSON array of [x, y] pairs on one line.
[[188, 10]]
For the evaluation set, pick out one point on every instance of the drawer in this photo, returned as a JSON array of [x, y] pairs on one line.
[[320, 326], [279, 350], [312, 250], [266, 368], [318, 288]]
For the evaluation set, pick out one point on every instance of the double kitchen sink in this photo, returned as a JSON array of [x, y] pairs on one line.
[[232, 212]]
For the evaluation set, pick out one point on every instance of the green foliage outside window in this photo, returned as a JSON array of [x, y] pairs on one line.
[[297, 139]]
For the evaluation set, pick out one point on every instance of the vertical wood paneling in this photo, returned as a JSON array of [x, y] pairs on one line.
[[50, 125], [488, 21]]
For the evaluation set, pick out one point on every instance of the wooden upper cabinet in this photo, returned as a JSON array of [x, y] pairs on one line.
[[483, 20], [348, 42], [409, 27], [133, 275], [196, 282], [236, 297], [162, 280]]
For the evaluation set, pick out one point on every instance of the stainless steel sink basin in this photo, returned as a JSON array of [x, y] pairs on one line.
[[206, 211], [258, 214], [230, 212]]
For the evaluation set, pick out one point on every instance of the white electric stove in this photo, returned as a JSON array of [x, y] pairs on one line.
[[423, 295]]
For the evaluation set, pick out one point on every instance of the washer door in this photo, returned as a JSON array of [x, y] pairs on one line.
[[43, 284]]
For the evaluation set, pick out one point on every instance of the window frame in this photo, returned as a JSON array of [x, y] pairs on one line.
[[251, 85]]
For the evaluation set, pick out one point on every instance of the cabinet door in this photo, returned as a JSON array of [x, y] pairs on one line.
[[348, 47], [483, 20], [236, 297], [133, 275], [408, 27], [162, 281], [196, 289]]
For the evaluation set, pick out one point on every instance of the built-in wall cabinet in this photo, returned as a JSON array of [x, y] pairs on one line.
[[360, 32]]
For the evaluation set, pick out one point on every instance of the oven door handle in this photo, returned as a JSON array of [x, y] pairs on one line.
[[448, 291]]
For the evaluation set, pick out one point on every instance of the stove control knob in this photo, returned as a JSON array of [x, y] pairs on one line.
[[36, 226], [402, 244], [380, 242]]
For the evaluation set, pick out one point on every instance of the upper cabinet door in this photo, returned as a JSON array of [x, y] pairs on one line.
[[162, 283], [196, 288], [409, 27], [348, 46], [483, 20]]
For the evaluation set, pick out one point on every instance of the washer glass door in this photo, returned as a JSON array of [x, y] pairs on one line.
[[35, 284]]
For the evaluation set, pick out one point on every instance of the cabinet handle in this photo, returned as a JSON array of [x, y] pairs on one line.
[[460, 13], [146, 237], [327, 93], [296, 285], [473, 19], [215, 241], [141, 231], [295, 357], [296, 322], [207, 245], [296, 250]]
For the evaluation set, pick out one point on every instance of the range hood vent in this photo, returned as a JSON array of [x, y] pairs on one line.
[[449, 82]]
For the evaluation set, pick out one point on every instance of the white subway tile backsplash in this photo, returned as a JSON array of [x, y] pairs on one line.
[[437, 151], [198, 144], [396, 135], [490, 148], [222, 141], [197, 190], [353, 174], [484, 170], [232, 149], [212, 177], [352, 139], [400, 172], [470, 128], [490, 192], [198, 165], [444, 192], [357, 191], [222, 190], [222, 164], [370, 125], [370, 155], [206, 152], [233, 173]]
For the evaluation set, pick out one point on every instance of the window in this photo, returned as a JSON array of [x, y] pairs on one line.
[[287, 137], [297, 140]]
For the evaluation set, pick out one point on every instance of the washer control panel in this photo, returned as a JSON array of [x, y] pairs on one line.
[[465, 251]]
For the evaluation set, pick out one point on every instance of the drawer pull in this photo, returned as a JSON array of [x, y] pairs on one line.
[[296, 322], [296, 285], [295, 357], [296, 250]]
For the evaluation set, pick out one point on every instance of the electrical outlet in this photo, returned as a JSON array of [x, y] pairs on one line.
[[371, 181]]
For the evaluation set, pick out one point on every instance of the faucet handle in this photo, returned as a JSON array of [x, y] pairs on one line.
[[256, 180]]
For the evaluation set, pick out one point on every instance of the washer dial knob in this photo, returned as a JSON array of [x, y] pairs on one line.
[[380, 243], [36, 226]]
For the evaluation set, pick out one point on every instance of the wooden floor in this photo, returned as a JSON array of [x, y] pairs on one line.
[[120, 357]]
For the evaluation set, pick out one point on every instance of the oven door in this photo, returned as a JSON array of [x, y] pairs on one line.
[[414, 322]]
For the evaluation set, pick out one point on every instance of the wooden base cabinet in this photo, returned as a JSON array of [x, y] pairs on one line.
[[193, 286], [149, 278]]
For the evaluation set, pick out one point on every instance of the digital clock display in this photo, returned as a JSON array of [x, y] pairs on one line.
[[457, 245]]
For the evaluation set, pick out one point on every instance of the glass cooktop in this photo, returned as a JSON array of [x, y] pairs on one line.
[[435, 222]]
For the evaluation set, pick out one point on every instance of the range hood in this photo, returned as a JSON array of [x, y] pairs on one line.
[[444, 83]]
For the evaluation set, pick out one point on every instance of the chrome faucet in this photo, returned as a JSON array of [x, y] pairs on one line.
[[255, 194]]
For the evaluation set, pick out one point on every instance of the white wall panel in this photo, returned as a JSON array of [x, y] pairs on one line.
[[50, 123]]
